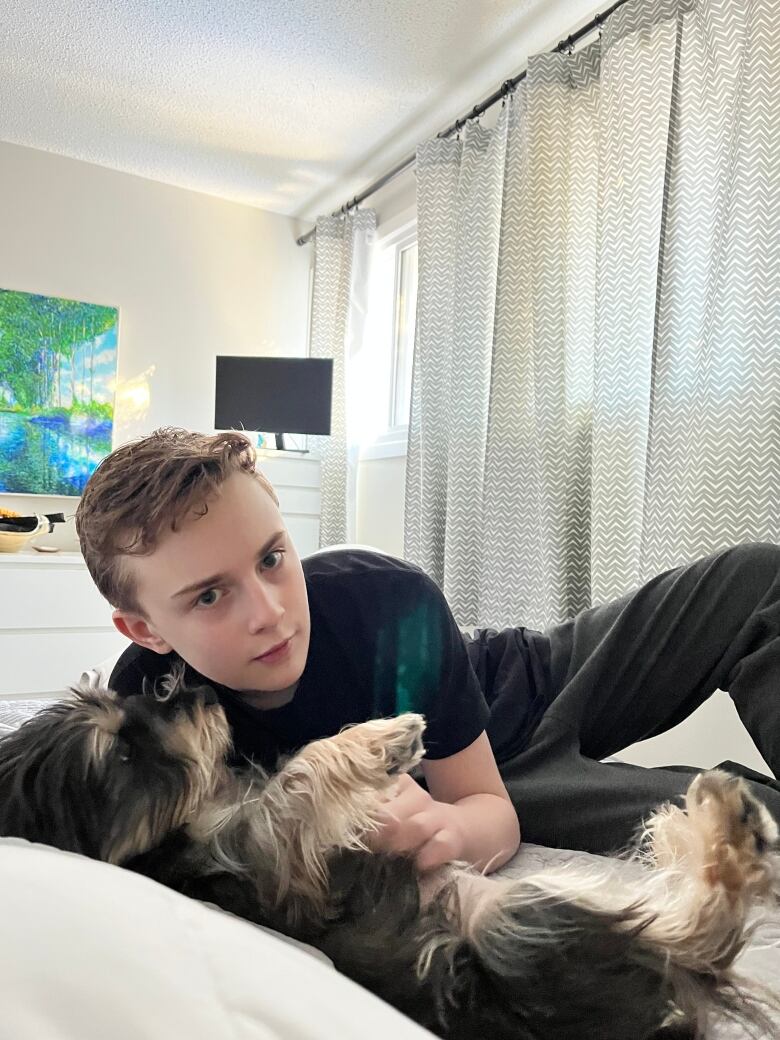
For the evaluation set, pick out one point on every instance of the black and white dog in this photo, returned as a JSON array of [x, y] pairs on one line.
[[568, 954]]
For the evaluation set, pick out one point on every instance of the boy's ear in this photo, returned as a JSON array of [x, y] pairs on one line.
[[137, 628]]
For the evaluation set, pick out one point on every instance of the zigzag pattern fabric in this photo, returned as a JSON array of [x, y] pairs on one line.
[[341, 272], [596, 390]]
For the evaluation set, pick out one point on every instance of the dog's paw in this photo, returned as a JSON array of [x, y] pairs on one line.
[[404, 746], [738, 832], [387, 746]]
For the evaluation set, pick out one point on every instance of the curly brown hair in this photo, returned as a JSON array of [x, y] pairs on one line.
[[145, 488]]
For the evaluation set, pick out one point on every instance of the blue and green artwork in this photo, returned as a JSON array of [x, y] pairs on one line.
[[57, 380]]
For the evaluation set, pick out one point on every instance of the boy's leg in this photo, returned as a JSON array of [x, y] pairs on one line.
[[565, 800], [634, 668]]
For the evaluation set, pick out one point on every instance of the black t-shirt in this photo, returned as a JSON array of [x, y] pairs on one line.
[[383, 641]]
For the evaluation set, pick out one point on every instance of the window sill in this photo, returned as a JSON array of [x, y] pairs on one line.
[[391, 445]]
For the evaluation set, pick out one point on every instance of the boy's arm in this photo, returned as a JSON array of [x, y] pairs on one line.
[[465, 814]]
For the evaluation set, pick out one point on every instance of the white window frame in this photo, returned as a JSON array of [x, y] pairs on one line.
[[400, 249], [392, 237]]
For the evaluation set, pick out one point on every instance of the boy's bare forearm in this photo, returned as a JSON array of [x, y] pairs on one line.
[[490, 830]]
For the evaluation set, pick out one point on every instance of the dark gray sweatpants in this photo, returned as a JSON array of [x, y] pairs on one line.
[[634, 668]]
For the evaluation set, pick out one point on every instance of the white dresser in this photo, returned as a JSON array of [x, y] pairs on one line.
[[54, 624]]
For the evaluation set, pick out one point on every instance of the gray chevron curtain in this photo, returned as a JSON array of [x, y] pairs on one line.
[[596, 390], [341, 273]]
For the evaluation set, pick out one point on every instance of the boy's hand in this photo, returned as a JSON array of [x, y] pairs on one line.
[[414, 822]]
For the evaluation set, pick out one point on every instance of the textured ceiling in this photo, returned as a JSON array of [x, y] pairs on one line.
[[291, 105]]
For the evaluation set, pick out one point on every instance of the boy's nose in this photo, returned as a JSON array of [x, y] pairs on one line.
[[265, 608]]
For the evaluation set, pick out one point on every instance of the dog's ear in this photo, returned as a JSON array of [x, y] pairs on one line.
[[176, 685], [43, 796], [173, 684]]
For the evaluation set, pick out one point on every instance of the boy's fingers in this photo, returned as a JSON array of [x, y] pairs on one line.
[[411, 799], [405, 835], [414, 832], [438, 850]]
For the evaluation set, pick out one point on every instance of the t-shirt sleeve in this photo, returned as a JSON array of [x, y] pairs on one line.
[[422, 655], [134, 666]]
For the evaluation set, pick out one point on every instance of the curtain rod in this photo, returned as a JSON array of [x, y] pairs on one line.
[[506, 87]]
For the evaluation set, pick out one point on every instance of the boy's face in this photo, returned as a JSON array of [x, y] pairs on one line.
[[226, 591]]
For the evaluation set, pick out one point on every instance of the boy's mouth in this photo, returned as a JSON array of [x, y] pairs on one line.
[[276, 652]]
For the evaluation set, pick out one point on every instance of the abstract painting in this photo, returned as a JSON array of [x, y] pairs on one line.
[[57, 383]]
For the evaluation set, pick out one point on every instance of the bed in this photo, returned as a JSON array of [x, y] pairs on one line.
[[91, 950]]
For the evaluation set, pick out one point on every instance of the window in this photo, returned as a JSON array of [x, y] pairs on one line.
[[403, 334], [382, 388]]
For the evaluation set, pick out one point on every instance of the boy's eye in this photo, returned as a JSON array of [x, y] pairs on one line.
[[272, 559], [208, 598]]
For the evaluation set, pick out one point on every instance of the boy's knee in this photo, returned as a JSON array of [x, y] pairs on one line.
[[757, 561]]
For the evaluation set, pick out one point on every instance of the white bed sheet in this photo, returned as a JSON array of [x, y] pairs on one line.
[[91, 951]]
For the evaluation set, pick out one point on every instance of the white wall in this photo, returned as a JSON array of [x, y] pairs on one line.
[[193, 276], [380, 504], [713, 734]]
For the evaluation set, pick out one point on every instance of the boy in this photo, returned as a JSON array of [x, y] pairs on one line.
[[184, 538]]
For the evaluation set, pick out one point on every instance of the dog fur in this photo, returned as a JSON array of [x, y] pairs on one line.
[[568, 954]]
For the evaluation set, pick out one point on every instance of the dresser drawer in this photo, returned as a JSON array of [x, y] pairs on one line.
[[35, 663], [54, 624], [50, 596]]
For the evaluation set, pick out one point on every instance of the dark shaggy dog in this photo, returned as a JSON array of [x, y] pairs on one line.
[[569, 954]]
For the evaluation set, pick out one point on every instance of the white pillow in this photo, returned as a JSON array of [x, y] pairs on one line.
[[101, 673], [91, 951]]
